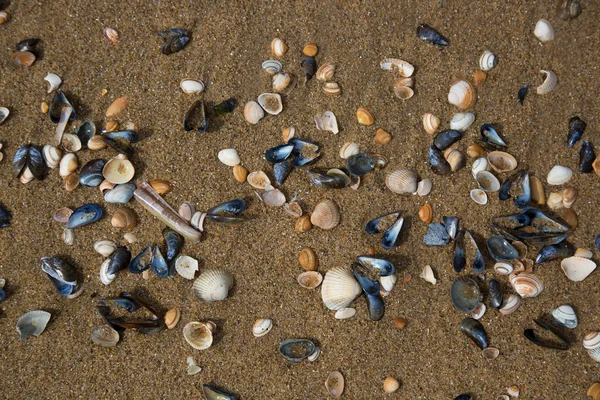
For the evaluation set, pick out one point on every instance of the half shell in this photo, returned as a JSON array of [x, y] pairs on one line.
[[544, 31], [199, 335], [105, 336], [565, 315], [271, 103], [559, 175], [431, 123], [462, 121], [118, 170], [310, 279], [404, 68], [501, 161], [253, 112], [577, 268], [326, 214], [402, 180], [213, 285], [479, 196], [326, 121], [32, 323], [191, 86], [550, 81], [261, 327], [339, 288], [186, 266], [335, 384], [487, 61], [462, 94], [510, 304], [526, 285]]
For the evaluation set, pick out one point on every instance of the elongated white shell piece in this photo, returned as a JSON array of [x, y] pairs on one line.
[[54, 81]]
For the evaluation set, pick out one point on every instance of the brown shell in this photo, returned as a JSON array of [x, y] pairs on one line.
[[96, 143], [71, 182], [501, 161], [112, 126], [310, 49], [426, 213], [24, 58], [161, 186], [402, 181], [594, 391], [479, 78], [308, 259], [364, 117], [475, 151], [382, 137], [124, 218], [172, 318], [537, 191], [44, 107], [240, 173], [288, 133], [569, 197], [400, 322], [326, 214], [117, 107], [303, 224], [570, 218]]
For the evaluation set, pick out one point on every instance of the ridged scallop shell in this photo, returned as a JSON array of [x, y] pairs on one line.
[[199, 335], [326, 71], [191, 86], [339, 288], [186, 266], [591, 342], [52, 156], [271, 66], [32, 323], [501, 161], [487, 61], [278, 47], [261, 327], [544, 31], [577, 268], [213, 285], [479, 196], [349, 149], [105, 247], [462, 94], [404, 68], [559, 175], [118, 170], [565, 315], [487, 181], [326, 214], [271, 103], [310, 279], [431, 123], [253, 112], [510, 304], [281, 81], [402, 180], [526, 285], [105, 336], [550, 82], [503, 268], [462, 121]]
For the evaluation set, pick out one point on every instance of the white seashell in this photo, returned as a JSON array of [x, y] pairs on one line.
[[52, 156], [193, 368], [345, 313], [503, 268], [314, 355], [565, 315], [349, 149], [544, 31], [54, 81], [555, 201], [310, 279], [191, 86], [326, 122], [261, 327], [71, 142], [118, 170], [480, 164], [584, 253], [68, 164], [479, 196], [424, 187], [68, 237], [462, 94], [278, 47], [513, 391], [4, 112], [510, 304], [32, 323], [431, 123], [273, 197], [253, 112], [130, 237], [213, 285], [258, 180], [487, 61], [26, 176], [487, 181], [271, 66], [199, 335], [550, 81], [591, 342], [186, 266], [105, 277], [281, 81], [197, 220], [402, 180], [559, 175], [271, 103], [478, 312], [229, 157], [526, 285], [388, 282], [577, 268], [428, 275], [339, 288], [404, 68], [462, 121], [105, 247], [187, 211]]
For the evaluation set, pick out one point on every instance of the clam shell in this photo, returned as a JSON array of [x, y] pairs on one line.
[[278, 47], [273, 197], [332, 88], [510, 304], [364, 116], [310, 279], [478, 312], [124, 218], [591, 342], [326, 214], [345, 313], [555, 201], [261, 327], [326, 121], [402, 91], [213, 285], [308, 259], [339, 288], [326, 71], [490, 353], [487, 61], [544, 31], [120, 194], [54, 81], [431, 123], [229, 157], [191, 86], [271, 66], [105, 277], [404, 68], [390, 384], [565, 315], [32, 323], [402, 181], [187, 210], [186, 266], [335, 384], [349, 149], [52, 156], [63, 214], [424, 187], [462, 94], [111, 35], [569, 196], [96, 142], [487, 181], [258, 180], [172, 318], [503, 268], [105, 336], [68, 164], [584, 253], [271, 103], [118, 170], [288, 133], [117, 107], [456, 159], [480, 164], [253, 112], [281, 81], [26, 176], [4, 113], [526, 285], [388, 282], [550, 81], [199, 335], [462, 121], [501, 161], [559, 175], [577, 268], [479, 196]]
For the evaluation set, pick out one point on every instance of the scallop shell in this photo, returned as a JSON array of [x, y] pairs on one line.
[[335, 384], [32, 323], [191, 86], [462, 121], [105, 247], [278, 47], [326, 71], [526, 285], [462, 94], [404, 68], [559, 175], [424, 187], [544, 31], [565, 315], [339, 288], [258, 180], [52, 156], [402, 181], [271, 66], [510, 304], [105, 336], [118, 170], [577, 268], [213, 285], [261, 327], [54, 81], [253, 112], [501, 161], [229, 157], [326, 214], [479, 196], [480, 164], [271, 103], [431, 123], [186, 266], [487, 61], [199, 335], [349, 149], [550, 81], [332, 88], [487, 181], [591, 342], [503, 268], [326, 121], [310, 279], [68, 164], [281, 81]]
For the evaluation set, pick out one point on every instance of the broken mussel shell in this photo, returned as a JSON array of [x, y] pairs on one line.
[[141, 262], [63, 276], [160, 266], [587, 156], [500, 249], [517, 186], [297, 350], [309, 65], [305, 152], [175, 40], [561, 344], [496, 295], [335, 178], [468, 252], [465, 294], [576, 129], [174, 242], [279, 153], [130, 303], [436, 235], [5, 218], [429, 34], [438, 162], [32, 323], [195, 118], [91, 173], [475, 331], [447, 138], [226, 106]]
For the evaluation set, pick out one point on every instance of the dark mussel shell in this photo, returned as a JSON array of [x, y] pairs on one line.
[[428, 34], [173, 32], [378, 224], [447, 138], [30, 156], [568, 9], [159, 264], [210, 393], [490, 138], [58, 103], [296, 350], [576, 128], [60, 270], [437, 162], [175, 40], [141, 262], [84, 215], [91, 173], [496, 295], [390, 236], [586, 157], [500, 249], [360, 164], [27, 45], [104, 312], [561, 344], [597, 242], [305, 152], [542, 239], [2, 295], [127, 303], [377, 266], [279, 153], [128, 135], [478, 263], [281, 170], [518, 187], [371, 287], [436, 235], [465, 294], [522, 93], [174, 242], [451, 225], [551, 252], [460, 258], [20, 159], [120, 145], [5, 217], [532, 226], [542, 222], [119, 260], [463, 396], [475, 331], [85, 132], [195, 118], [309, 65], [131, 303], [64, 289], [226, 106], [235, 206], [321, 177]]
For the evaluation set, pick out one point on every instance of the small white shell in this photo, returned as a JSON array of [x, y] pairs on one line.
[[258, 180], [388, 282], [253, 112], [577, 268], [404, 68], [68, 164], [197, 220], [281, 81], [428, 275], [431, 123], [68, 237], [555, 201], [105, 277], [187, 210], [544, 31], [550, 81], [559, 175], [326, 122], [52, 156], [481, 164], [193, 368], [479, 196], [462, 121], [199, 335], [478, 312], [213, 285], [272, 197], [4, 112], [339, 288], [54, 81], [229, 157], [345, 313], [503, 268], [424, 187], [191, 86], [310, 279], [487, 61], [186, 266], [261, 327], [271, 103], [584, 253], [349, 149], [487, 181], [565, 315], [271, 66]]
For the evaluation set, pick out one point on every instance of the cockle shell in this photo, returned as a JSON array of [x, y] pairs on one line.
[[339, 288], [462, 121], [310, 279], [565, 315], [118, 170], [261, 327], [487, 61], [479, 196], [271, 103], [191, 86], [54, 81], [332, 88], [501, 161], [591, 342], [431, 123], [326, 121], [404, 68], [186, 266], [559, 175], [253, 112], [271, 66], [544, 31], [213, 285], [52, 156], [229, 157], [577, 268], [402, 181], [462, 94], [526, 285], [326, 214], [326, 71], [550, 81], [199, 335], [278, 47], [105, 247], [510, 304], [349, 149]]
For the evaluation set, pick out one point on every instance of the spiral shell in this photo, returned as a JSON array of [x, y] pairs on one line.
[[526, 285], [402, 181], [278, 47], [462, 94], [550, 82], [326, 71], [339, 288], [326, 214], [487, 61], [213, 285], [510, 304]]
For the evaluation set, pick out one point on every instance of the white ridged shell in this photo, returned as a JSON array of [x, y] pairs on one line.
[[339, 288], [577, 268], [213, 285], [559, 175], [526, 285], [550, 82], [565, 315], [487, 61], [229, 157], [479, 196], [462, 121], [52, 156], [431, 123], [191, 86], [544, 31], [510, 304], [186, 266], [271, 103], [32, 323], [462, 94], [271, 66]]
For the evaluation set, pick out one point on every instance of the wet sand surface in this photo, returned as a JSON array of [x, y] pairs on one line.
[[431, 357]]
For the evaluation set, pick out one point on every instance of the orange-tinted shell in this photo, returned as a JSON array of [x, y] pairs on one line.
[[326, 214]]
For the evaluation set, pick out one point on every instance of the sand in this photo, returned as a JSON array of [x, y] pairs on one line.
[[431, 357]]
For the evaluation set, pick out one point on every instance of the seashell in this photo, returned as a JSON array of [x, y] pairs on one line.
[[54, 81], [310, 279], [400, 323], [111, 35], [475, 151], [491, 353], [130, 237], [403, 82], [335, 384], [26, 176], [462, 94], [199, 335], [32, 323], [112, 126], [326, 71], [550, 81], [349, 149], [24, 58], [68, 164], [577, 268], [332, 88], [3, 17], [390, 384], [253, 112], [297, 350], [120, 194], [124, 218], [258, 180], [213, 285], [118, 170], [591, 342], [465, 294], [303, 224], [71, 182], [487, 181], [240, 173], [584, 253], [426, 213], [293, 208], [326, 214], [401, 90], [501, 161], [96, 142], [559, 175], [480, 164], [478, 312], [326, 121], [308, 259], [310, 49], [91, 173], [339, 288], [278, 47], [161, 186], [537, 191], [479, 196], [345, 313], [388, 282], [402, 181], [68, 237], [186, 266], [261, 327], [487, 61], [84, 215], [364, 116], [544, 31], [271, 66], [117, 107], [429, 34], [4, 113], [431, 123], [569, 196], [479, 78], [229, 157], [105, 247], [187, 210], [271, 103], [513, 391], [273, 197], [52, 156], [63, 214], [382, 137], [594, 390], [288, 133], [281, 81], [462, 121], [172, 318], [510, 304], [191, 86], [555, 201], [526, 285], [456, 159], [404, 68], [565, 316], [568, 9], [105, 336], [424, 187], [427, 275]]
